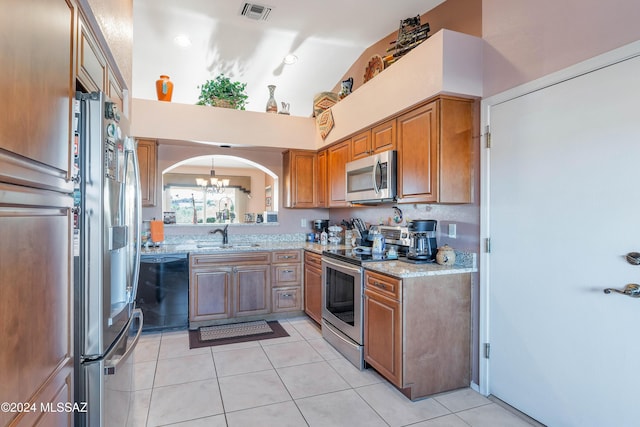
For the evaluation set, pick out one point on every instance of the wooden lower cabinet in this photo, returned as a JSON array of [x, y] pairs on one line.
[[210, 293], [286, 299], [418, 331], [313, 285], [251, 290], [36, 308], [286, 281]]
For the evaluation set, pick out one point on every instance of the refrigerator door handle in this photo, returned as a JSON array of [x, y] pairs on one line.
[[111, 363], [130, 148]]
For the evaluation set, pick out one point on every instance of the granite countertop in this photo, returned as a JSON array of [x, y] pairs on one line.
[[465, 262]]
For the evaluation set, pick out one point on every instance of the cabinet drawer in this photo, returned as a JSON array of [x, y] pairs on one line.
[[285, 275], [226, 259], [312, 259], [382, 284], [287, 299], [280, 257]]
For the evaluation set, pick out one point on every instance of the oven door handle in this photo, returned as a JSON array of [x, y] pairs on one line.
[[341, 266]]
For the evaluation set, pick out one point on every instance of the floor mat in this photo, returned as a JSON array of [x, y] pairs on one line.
[[234, 333]]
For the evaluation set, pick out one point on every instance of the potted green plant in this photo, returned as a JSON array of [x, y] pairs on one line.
[[222, 92]]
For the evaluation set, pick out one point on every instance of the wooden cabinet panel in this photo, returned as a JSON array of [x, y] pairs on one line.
[[286, 299], [299, 173], [417, 154], [210, 293], [321, 179], [36, 308], [114, 91], [148, 161], [38, 89], [286, 257], [313, 286], [286, 275], [383, 137], [435, 152], [383, 335], [91, 63], [361, 145], [251, 290], [338, 157]]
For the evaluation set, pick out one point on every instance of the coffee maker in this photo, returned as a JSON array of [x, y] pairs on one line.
[[422, 238]]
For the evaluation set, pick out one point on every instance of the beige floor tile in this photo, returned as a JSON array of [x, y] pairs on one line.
[[139, 408], [251, 390], [143, 375], [308, 330], [340, 409], [325, 349], [183, 402], [177, 345], [284, 414], [235, 346], [241, 361], [491, 415], [311, 379], [215, 421], [354, 376], [396, 409], [294, 335], [146, 351], [446, 421], [293, 353], [459, 400], [184, 369]]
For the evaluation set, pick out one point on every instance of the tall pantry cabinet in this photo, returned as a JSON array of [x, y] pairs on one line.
[[38, 41]]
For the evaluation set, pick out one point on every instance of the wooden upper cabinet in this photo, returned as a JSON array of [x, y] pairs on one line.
[[299, 173], [435, 152], [339, 156], [383, 137], [114, 91], [148, 161], [361, 145], [38, 88], [91, 69], [321, 179]]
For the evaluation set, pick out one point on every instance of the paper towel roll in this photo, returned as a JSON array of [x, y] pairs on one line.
[[157, 231]]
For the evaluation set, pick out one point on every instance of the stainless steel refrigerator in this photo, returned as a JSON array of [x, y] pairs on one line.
[[106, 257]]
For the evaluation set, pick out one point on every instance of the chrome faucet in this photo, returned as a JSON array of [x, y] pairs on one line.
[[224, 232]]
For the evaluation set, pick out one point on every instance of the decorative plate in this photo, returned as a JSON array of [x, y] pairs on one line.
[[376, 64]]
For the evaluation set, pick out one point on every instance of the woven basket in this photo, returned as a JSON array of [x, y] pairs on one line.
[[223, 103]]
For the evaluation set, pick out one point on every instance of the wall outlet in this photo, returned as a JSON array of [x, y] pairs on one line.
[[452, 231], [303, 223]]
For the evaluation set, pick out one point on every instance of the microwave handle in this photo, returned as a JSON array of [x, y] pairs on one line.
[[377, 176]]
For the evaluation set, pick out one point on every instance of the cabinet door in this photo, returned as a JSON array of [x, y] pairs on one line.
[[383, 137], [36, 308], [361, 145], [321, 179], [286, 299], [148, 159], [299, 172], [418, 154], [339, 156], [313, 293], [210, 293], [252, 290], [37, 86], [383, 335]]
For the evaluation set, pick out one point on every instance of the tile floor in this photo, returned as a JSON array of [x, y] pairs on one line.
[[298, 380]]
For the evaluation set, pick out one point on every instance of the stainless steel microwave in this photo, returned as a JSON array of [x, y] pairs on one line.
[[372, 179]]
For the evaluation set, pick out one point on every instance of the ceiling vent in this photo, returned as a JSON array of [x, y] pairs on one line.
[[257, 12]]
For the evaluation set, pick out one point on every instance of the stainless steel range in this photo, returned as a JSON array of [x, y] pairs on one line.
[[343, 293]]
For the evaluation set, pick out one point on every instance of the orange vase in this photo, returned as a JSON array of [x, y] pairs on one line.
[[164, 88]]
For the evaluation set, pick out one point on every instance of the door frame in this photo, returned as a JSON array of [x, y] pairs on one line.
[[612, 57]]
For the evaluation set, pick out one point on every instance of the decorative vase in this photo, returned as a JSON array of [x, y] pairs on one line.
[[272, 105], [164, 88]]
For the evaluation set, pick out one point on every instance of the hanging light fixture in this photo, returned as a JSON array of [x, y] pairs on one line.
[[213, 183]]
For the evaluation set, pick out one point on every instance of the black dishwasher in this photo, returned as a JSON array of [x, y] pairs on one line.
[[163, 291]]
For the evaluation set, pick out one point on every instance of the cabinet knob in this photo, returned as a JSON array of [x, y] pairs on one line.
[[287, 295]]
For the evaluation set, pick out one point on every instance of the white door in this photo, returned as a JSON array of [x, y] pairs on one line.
[[564, 209]]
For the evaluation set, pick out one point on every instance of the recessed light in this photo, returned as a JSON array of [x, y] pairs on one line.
[[182, 40], [290, 59]]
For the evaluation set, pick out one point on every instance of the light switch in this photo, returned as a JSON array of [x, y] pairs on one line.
[[303, 223], [452, 231]]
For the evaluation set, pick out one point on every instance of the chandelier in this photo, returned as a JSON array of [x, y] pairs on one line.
[[213, 184]]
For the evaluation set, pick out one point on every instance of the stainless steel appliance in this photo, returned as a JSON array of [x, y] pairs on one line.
[[106, 261], [163, 291], [372, 179], [423, 245]]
